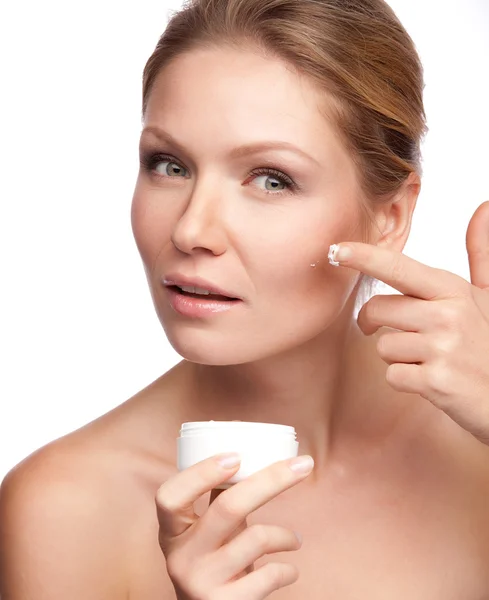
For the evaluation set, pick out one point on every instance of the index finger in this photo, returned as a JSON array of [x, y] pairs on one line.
[[175, 498], [228, 511], [397, 270]]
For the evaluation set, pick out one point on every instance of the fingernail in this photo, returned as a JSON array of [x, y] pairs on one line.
[[302, 464], [298, 536], [229, 460], [338, 253]]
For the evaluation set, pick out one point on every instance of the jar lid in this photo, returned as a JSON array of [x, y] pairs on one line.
[[191, 428]]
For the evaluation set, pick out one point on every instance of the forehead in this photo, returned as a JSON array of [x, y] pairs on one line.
[[240, 94]]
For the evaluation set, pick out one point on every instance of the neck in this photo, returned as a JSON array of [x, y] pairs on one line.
[[331, 389]]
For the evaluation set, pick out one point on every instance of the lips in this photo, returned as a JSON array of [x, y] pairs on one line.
[[200, 295], [178, 281]]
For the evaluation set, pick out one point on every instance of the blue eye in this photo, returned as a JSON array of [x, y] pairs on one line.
[[150, 161], [284, 179]]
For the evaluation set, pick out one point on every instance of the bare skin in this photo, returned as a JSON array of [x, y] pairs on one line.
[[396, 506], [405, 516]]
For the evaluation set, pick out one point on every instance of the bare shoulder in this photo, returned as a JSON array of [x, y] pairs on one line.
[[69, 510], [55, 538]]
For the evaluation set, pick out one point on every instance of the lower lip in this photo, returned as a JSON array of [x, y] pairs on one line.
[[197, 307]]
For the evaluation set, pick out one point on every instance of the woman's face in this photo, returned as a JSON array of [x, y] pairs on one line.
[[207, 208]]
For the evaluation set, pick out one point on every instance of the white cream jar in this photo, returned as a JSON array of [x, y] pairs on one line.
[[259, 444]]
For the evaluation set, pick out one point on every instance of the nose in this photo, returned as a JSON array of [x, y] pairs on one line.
[[201, 226]]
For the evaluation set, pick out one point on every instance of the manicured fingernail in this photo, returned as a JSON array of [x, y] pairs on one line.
[[302, 464], [338, 253], [229, 460]]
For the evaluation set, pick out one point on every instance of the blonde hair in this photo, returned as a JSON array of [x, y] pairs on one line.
[[356, 51]]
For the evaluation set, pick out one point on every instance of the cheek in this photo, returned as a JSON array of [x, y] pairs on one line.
[[297, 251], [151, 227], [298, 268]]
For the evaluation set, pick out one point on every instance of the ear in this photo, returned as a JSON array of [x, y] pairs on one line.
[[394, 218]]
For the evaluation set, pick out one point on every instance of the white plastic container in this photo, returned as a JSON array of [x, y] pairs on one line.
[[259, 444]]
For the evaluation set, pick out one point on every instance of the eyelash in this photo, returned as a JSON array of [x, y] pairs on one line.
[[150, 160]]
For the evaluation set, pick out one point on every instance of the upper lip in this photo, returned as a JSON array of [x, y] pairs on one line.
[[181, 280]]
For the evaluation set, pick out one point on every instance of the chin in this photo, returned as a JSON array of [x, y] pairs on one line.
[[215, 348], [213, 357], [206, 347], [218, 348]]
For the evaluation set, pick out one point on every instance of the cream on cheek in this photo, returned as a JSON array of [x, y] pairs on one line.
[[289, 267], [320, 278]]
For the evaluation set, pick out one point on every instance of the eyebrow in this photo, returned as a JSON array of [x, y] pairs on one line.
[[244, 150]]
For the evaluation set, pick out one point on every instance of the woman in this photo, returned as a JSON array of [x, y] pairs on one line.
[[392, 406]]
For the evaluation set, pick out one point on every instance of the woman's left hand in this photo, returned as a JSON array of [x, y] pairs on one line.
[[441, 350]]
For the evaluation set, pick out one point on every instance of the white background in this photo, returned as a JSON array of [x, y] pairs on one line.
[[78, 331]]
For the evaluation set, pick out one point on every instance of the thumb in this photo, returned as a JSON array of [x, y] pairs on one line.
[[477, 242]]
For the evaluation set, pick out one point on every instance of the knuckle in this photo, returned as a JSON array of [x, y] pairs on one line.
[[227, 508], [279, 574], [165, 500], [438, 379], [231, 553], [445, 345], [448, 316], [371, 309], [393, 375], [260, 536], [382, 345], [194, 588]]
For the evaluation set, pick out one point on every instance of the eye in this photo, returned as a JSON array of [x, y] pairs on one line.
[[171, 168], [150, 161], [278, 176]]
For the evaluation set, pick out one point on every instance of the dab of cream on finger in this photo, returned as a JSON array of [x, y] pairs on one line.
[[332, 255]]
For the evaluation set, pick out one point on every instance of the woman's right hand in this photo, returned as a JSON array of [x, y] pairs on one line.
[[211, 557]]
